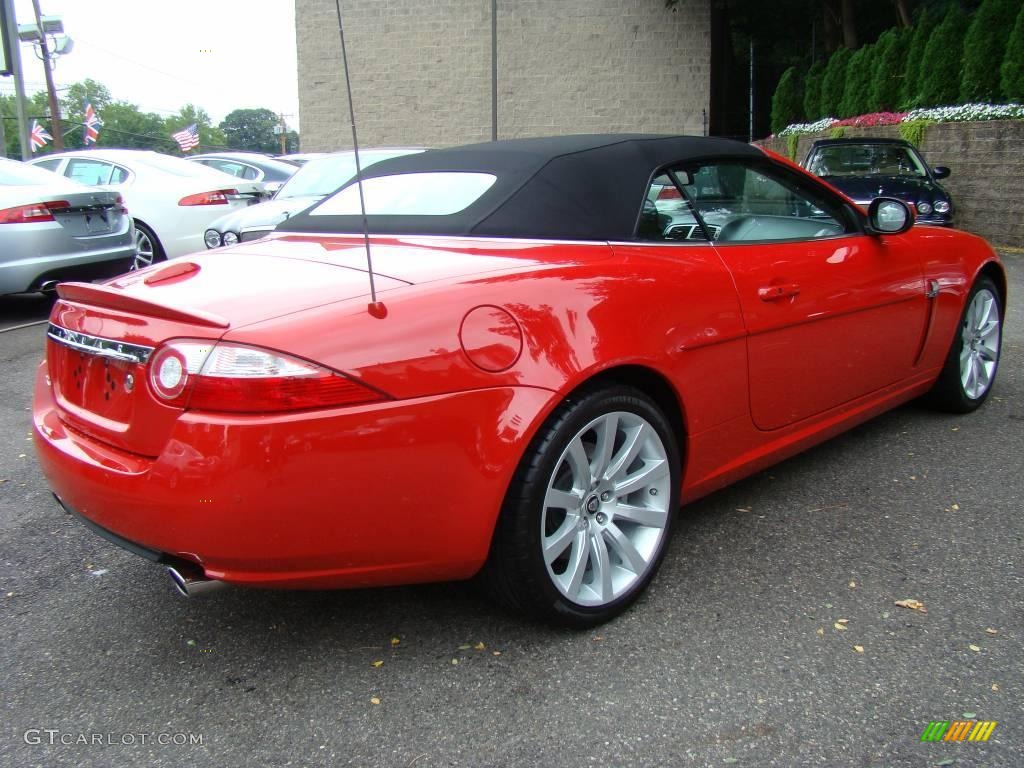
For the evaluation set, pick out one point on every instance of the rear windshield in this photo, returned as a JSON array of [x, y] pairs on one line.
[[441, 193], [15, 174], [177, 166], [322, 175]]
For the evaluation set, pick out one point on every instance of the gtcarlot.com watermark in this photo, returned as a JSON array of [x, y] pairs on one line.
[[54, 736]]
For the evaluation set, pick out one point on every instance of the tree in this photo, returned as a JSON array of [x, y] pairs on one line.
[[889, 70], [209, 136], [1012, 71], [834, 82], [251, 129], [911, 90], [986, 43], [125, 126], [858, 83], [787, 104], [812, 91], [940, 67]]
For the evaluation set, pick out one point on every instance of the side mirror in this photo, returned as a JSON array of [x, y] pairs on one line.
[[889, 216], [941, 172]]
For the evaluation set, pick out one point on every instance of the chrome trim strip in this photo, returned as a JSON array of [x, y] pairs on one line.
[[96, 345]]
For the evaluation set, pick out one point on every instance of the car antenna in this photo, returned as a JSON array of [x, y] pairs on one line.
[[375, 308]]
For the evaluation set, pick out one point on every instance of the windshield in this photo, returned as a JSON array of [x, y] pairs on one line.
[[322, 175], [866, 160]]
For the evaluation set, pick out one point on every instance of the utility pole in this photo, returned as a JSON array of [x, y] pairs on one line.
[[58, 134], [19, 83], [282, 135]]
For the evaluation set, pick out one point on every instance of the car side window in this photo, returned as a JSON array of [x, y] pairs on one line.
[[50, 165], [667, 214], [118, 175], [746, 203], [91, 172], [239, 170]]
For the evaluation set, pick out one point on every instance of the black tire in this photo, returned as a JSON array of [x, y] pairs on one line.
[[517, 573], [148, 250], [950, 393]]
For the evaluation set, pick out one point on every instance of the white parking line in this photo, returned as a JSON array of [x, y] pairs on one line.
[[23, 325]]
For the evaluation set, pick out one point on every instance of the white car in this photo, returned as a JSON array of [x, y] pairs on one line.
[[313, 181], [171, 200]]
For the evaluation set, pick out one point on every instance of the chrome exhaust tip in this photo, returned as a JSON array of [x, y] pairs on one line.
[[190, 582], [48, 286]]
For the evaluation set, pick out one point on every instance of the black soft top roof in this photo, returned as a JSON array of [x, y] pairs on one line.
[[586, 187]]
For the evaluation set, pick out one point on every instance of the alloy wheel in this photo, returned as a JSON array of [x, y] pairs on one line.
[[606, 509], [979, 352]]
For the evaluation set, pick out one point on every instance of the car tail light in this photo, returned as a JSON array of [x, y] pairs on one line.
[[32, 214], [216, 197], [120, 206], [237, 378], [669, 193]]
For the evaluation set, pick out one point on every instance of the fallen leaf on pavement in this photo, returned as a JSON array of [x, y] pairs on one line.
[[465, 647], [840, 627], [995, 686], [992, 631], [843, 621], [852, 585], [479, 647], [859, 648], [395, 641], [374, 700], [974, 647], [376, 663], [914, 605], [820, 631]]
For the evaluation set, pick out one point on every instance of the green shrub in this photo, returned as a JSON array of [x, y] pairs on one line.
[[1012, 71], [910, 91], [858, 83], [812, 91], [940, 67], [984, 44], [793, 145], [838, 132], [913, 131], [787, 103], [833, 83], [890, 65]]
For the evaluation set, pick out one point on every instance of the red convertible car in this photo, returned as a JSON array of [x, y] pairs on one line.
[[566, 339]]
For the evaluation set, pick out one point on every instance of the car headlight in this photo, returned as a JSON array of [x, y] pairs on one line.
[[230, 238], [924, 208], [942, 207], [212, 238]]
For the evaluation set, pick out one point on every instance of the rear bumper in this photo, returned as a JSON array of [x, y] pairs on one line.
[[27, 274], [402, 492]]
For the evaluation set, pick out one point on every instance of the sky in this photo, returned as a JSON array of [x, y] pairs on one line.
[[162, 54]]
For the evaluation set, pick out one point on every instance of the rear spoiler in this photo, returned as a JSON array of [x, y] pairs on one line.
[[101, 296]]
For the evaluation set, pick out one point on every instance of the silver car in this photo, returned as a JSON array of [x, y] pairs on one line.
[[54, 229], [312, 182]]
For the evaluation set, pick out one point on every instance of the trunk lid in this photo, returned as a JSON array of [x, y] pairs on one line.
[[101, 337]]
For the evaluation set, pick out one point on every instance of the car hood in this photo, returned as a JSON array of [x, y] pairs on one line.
[[863, 188], [266, 215]]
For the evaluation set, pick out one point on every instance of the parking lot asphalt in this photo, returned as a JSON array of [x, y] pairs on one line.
[[771, 636]]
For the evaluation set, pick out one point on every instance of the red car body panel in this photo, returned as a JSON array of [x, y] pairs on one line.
[[767, 349]]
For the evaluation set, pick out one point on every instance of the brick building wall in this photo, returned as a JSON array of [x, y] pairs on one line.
[[987, 167], [421, 69]]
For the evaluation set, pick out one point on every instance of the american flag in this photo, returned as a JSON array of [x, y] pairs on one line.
[[187, 138], [92, 124], [39, 136]]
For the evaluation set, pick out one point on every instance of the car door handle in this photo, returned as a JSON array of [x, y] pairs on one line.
[[776, 292]]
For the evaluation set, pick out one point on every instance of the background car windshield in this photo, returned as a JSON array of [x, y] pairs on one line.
[[15, 174], [409, 194], [866, 160], [322, 175], [177, 166]]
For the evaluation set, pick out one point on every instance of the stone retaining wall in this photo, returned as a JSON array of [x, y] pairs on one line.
[[987, 161]]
